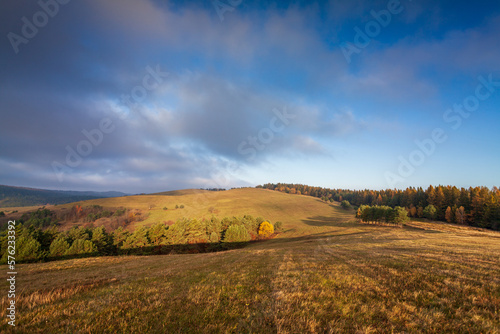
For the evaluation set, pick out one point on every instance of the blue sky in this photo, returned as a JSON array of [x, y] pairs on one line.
[[144, 96]]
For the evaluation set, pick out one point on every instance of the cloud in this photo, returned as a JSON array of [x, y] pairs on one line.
[[226, 79]]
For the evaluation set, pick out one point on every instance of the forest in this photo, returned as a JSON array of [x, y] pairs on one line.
[[474, 206]]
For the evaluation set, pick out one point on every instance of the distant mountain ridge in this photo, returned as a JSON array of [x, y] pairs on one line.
[[11, 196]]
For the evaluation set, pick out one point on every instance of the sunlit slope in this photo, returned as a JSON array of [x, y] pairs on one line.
[[348, 278], [299, 214]]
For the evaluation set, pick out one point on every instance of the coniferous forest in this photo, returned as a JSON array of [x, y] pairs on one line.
[[478, 206]]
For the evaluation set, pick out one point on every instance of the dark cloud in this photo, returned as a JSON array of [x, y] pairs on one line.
[[225, 81]]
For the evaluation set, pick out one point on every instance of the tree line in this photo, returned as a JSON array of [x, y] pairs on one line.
[[474, 206], [35, 243], [382, 213]]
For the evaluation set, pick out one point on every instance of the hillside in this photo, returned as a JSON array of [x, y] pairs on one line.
[[326, 273], [20, 197], [291, 210]]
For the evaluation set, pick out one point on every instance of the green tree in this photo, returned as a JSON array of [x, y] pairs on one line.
[[400, 216], [82, 246], [138, 239], [236, 233], [158, 234], [430, 212], [78, 232], [119, 236], [345, 204], [102, 240], [59, 246], [28, 249]]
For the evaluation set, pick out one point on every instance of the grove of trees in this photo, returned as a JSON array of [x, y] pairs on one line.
[[35, 243], [383, 213], [474, 206]]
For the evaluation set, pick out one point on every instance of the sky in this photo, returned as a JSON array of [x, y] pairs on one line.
[[147, 96]]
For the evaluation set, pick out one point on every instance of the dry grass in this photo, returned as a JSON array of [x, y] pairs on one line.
[[326, 274]]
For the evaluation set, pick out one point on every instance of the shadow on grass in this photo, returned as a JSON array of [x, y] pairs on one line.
[[326, 221], [195, 248]]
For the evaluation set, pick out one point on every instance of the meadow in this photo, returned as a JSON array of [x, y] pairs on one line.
[[327, 272]]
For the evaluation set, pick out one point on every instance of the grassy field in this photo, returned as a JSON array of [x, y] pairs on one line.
[[327, 273]]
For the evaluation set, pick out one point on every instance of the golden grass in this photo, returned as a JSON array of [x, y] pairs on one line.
[[327, 273]]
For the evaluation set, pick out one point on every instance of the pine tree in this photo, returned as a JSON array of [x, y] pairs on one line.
[[236, 233], [59, 246], [82, 246]]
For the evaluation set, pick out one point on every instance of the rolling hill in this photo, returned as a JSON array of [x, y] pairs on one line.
[[326, 273], [19, 196], [291, 210]]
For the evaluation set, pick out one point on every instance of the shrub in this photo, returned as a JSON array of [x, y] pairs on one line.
[[345, 204], [182, 206], [278, 226], [236, 233], [2, 214], [266, 229], [165, 208], [214, 237], [119, 212]]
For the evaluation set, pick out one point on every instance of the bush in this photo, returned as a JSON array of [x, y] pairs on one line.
[[165, 208], [119, 212], [2, 214], [214, 237], [266, 229], [278, 226], [345, 204], [182, 206], [236, 233], [39, 218]]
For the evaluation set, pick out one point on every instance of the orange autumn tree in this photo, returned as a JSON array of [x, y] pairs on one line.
[[266, 229]]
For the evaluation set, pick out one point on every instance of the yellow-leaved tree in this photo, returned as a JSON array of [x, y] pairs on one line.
[[266, 229]]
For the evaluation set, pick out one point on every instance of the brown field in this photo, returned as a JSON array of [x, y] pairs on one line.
[[326, 273]]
